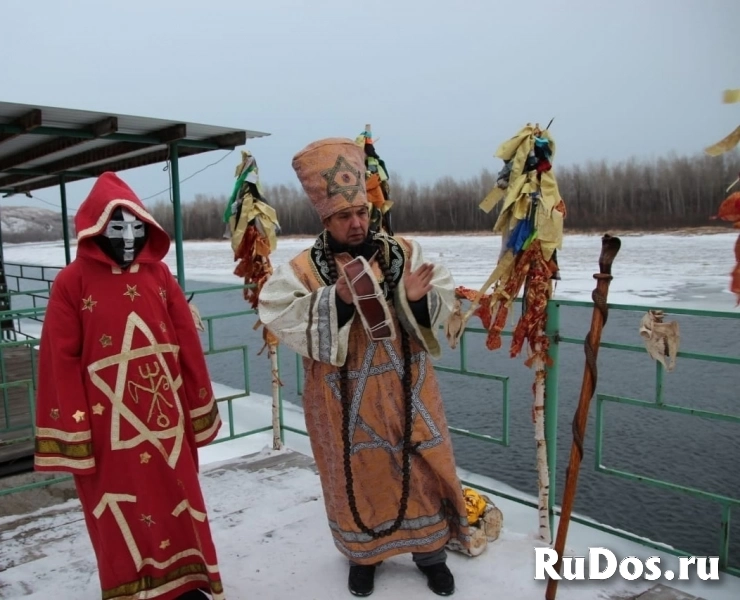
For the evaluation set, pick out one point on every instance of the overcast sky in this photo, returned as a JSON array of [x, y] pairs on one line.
[[443, 83]]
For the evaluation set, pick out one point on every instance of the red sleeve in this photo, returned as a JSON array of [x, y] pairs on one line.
[[63, 436], [200, 402]]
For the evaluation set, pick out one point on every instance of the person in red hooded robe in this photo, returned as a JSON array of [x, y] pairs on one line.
[[124, 399]]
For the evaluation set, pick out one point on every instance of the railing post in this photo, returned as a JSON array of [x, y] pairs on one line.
[[463, 353], [280, 399], [658, 383], [552, 330], [299, 374], [177, 210], [65, 220], [724, 542]]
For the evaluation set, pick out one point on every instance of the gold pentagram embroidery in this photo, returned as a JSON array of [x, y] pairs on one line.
[[202, 393], [144, 458], [79, 416], [120, 410], [54, 414], [163, 294], [98, 409], [106, 340], [88, 303], [131, 292], [164, 544], [343, 179], [163, 327]]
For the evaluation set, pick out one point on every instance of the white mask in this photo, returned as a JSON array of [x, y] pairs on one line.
[[126, 235]]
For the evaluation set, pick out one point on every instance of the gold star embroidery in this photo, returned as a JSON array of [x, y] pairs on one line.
[[343, 179], [163, 294], [144, 457], [131, 292], [164, 544], [163, 327], [54, 413], [202, 393], [98, 409], [88, 303], [106, 340], [147, 519], [79, 416]]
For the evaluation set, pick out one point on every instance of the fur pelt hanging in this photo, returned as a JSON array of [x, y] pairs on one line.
[[661, 339]]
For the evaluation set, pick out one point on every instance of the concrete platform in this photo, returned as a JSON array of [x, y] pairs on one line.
[[269, 526], [663, 592]]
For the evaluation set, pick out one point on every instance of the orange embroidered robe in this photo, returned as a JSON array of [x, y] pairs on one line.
[[298, 305]]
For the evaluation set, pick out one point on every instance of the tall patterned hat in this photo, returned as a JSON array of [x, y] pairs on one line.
[[332, 173]]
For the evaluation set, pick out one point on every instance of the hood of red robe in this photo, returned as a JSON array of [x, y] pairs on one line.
[[108, 193]]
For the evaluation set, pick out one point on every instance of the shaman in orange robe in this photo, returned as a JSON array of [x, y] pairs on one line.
[[124, 400], [298, 304]]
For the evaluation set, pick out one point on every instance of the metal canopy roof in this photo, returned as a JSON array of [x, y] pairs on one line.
[[41, 145]]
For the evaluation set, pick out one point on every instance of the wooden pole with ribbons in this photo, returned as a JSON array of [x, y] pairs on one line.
[[609, 248], [254, 227], [530, 223]]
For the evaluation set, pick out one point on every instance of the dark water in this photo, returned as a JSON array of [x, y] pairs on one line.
[[681, 449]]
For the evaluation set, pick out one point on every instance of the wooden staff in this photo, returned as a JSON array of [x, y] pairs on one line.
[[609, 248], [271, 344], [277, 443], [543, 473]]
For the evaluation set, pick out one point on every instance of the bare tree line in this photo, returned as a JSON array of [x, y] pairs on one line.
[[649, 195]]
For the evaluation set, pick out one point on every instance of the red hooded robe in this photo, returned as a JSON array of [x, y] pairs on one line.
[[124, 399]]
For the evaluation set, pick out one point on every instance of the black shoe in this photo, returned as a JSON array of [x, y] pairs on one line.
[[362, 579], [440, 580], [193, 595]]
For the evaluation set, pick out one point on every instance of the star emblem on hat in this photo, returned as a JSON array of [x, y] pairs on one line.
[[343, 179]]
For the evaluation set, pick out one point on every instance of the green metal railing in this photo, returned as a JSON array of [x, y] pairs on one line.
[[15, 274], [212, 350], [657, 402]]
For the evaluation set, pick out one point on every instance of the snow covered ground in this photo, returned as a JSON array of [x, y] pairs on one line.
[[273, 541]]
